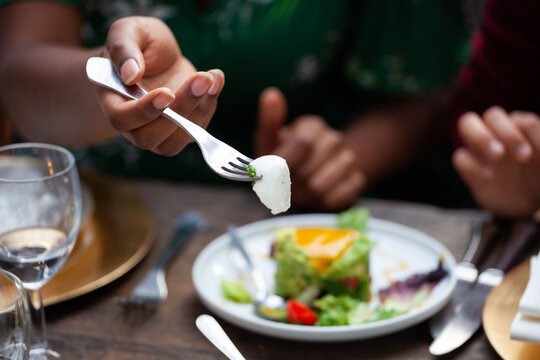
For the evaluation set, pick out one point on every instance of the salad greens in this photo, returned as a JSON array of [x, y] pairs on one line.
[[251, 170], [347, 274], [355, 218], [235, 292], [339, 294], [405, 294], [399, 298]]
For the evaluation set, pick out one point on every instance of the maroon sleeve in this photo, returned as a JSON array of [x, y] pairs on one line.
[[504, 68]]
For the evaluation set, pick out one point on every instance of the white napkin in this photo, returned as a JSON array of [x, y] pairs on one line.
[[526, 324]]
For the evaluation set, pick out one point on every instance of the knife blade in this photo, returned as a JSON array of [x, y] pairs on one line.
[[467, 317], [483, 233]]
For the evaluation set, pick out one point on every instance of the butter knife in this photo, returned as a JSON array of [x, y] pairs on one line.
[[467, 318], [483, 233]]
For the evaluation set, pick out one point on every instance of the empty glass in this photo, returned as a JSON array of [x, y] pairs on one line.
[[14, 318], [40, 215]]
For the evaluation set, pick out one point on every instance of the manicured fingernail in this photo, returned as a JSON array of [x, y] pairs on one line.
[[129, 71], [523, 151], [162, 101], [216, 85], [200, 86], [496, 147]]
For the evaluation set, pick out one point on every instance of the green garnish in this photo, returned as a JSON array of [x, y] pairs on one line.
[[355, 218], [235, 292], [251, 171]]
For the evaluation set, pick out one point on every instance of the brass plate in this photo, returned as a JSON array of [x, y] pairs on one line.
[[499, 312], [114, 237]]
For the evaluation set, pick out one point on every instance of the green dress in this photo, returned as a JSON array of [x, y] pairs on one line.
[[328, 57]]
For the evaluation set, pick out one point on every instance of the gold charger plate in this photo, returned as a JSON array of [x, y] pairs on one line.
[[115, 235], [499, 311]]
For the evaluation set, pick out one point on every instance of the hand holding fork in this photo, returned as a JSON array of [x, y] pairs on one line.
[[220, 157]]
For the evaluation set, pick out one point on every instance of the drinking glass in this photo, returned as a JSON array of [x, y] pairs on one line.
[[40, 215], [14, 318]]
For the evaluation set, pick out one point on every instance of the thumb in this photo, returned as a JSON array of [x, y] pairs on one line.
[[272, 115]]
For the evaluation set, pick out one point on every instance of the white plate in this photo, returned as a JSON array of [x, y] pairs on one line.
[[399, 252]]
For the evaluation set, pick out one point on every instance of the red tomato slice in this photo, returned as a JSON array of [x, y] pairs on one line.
[[298, 313]]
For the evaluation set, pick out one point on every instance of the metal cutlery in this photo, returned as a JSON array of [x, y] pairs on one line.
[[152, 289], [217, 336], [223, 159], [483, 233], [467, 318], [267, 304]]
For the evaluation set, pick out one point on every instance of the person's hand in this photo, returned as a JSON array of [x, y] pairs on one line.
[[145, 51], [324, 174], [501, 160]]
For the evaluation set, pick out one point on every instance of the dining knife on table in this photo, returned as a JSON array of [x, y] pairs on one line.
[[484, 231], [467, 316]]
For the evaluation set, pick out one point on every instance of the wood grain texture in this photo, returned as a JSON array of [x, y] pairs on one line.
[[108, 332]]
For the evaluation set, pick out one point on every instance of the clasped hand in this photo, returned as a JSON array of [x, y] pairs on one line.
[[324, 171]]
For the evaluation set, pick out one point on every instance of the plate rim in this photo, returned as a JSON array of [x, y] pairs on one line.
[[331, 333]]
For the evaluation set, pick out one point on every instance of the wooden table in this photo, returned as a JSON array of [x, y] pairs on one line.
[[108, 332]]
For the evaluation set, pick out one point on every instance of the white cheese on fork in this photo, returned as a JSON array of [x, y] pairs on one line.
[[274, 186]]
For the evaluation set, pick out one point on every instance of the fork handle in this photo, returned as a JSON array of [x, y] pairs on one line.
[[256, 274], [524, 233], [485, 233], [187, 225]]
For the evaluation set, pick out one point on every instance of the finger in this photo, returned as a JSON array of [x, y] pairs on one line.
[[174, 143], [124, 43], [506, 131], [529, 124], [344, 194], [298, 141], [132, 114], [204, 109], [472, 170], [330, 143], [187, 100], [218, 83], [272, 114], [207, 105], [191, 92], [479, 138], [332, 172], [151, 135]]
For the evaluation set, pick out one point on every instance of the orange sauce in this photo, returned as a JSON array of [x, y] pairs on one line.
[[324, 245]]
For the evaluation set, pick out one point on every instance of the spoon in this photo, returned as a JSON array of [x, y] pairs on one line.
[[267, 305], [217, 336]]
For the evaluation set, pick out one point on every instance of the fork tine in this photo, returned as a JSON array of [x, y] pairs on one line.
[[152, 288], [240, 170], [236, 172], [239, 167], [247, 162]]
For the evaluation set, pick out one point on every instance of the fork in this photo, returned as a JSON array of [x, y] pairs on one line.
[[223, 159], [152, 289]]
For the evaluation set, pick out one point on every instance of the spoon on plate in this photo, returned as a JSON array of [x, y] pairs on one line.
[[267, 305], [217, 336]]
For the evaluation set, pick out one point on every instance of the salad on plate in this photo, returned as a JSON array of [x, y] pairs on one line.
[[324, 273]]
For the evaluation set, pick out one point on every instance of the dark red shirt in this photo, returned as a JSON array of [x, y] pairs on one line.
[[504, 68]]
